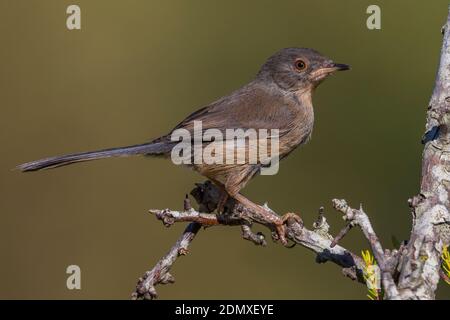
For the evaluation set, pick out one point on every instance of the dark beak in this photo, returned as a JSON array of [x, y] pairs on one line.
[[341, 66]]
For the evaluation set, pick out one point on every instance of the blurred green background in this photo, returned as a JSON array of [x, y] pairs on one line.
[[138, 67]]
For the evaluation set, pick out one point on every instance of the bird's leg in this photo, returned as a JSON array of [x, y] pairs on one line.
[[221, 204], [223, 196], [268, 216]]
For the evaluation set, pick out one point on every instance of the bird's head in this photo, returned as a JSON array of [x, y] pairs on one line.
[[298, 69]]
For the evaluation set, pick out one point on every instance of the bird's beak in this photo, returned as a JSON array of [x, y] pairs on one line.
[[326, 70], [340, 67]]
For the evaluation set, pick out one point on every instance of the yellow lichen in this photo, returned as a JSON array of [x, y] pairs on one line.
[[446, 263]]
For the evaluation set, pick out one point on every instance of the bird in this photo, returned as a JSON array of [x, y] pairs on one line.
[[279, 97]]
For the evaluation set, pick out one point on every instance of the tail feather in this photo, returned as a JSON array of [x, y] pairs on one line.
[[152, 148]]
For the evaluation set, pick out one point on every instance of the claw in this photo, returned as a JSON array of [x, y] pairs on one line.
[[292, 215], [281, 233], [281, 228]]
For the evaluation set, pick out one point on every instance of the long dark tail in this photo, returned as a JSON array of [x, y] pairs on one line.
[[152, 148]]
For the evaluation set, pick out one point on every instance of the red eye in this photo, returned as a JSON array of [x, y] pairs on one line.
[[300, 65]]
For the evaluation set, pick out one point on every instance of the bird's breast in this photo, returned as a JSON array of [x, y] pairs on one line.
[[300, 128]]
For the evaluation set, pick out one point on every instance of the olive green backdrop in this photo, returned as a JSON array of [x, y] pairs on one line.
[[138, 67]]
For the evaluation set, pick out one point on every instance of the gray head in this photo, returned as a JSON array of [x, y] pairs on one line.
[[298, 68]]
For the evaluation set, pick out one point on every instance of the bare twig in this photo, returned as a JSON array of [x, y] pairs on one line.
[[359, 218], [145, 288], [256, 238], [341, 234]]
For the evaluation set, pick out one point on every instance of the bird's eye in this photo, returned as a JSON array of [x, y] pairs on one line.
[[300, 65]]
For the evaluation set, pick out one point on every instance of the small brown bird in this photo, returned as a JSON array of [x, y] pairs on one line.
[[280, 97]]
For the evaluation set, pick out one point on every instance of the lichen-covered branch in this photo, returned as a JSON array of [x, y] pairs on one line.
[[207, 196], [419, 271], [145, 288], [357, 217]]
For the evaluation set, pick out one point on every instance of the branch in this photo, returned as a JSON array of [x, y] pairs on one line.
[[419, 274], [359, 218], [145, 289], [207, 195], [417, 265]]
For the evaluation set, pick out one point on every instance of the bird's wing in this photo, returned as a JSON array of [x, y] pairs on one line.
[[251, 107]]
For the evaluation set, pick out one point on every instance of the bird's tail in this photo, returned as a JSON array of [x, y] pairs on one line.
[[152, 148]]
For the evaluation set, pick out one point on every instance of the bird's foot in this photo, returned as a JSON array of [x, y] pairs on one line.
[[280, 234], [270, 218], [280, 227], [290, 215]]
